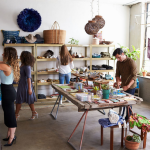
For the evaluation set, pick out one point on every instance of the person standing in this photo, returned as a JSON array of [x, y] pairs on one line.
[[9, 71], [126, 73], [25, 91], [64, 64]]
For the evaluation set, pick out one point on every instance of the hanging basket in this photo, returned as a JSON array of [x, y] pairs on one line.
[[91, 27], [99, 21], [55, 35]]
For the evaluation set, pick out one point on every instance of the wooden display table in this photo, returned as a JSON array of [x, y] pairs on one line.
[[86, 106]]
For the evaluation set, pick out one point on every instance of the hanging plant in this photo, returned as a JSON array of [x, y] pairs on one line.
[[29, 20]]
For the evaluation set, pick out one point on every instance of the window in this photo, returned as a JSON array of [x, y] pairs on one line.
[[146, 60]]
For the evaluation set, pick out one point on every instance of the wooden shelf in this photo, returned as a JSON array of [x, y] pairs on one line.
[[16, 85], [45, 72], [102, 45], [47, 99], [49, 45], [19, 45], [45, 83], [47, 59], [71, 45], [102, 70], [102, 59], [81, 58]]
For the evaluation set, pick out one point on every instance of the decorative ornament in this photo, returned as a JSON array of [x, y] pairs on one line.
[[91, 27], [94, 25], [29, 20], [99, 21]]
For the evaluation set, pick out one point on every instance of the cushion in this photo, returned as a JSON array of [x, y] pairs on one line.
[[19, 39], [9, 35]]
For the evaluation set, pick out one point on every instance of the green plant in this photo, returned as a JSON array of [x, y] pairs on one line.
[[129, 138], [134, 54], [136, 138], [143, 70], [73, 41], [96, 88], [105, 86]]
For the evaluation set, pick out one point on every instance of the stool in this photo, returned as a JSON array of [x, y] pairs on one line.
[[142, 135], [112, 135]]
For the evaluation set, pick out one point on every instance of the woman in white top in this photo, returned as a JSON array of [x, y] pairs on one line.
[[64, 64]]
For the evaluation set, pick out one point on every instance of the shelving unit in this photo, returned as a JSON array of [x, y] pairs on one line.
[[107, 59], [86, 58]]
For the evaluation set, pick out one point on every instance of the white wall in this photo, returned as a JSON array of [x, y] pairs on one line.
[[72, 15], [137, 32]]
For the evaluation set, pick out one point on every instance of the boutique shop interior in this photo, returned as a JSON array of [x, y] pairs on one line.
[[75, 74]]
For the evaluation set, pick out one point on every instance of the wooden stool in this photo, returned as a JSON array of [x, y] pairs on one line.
[[112, 135]]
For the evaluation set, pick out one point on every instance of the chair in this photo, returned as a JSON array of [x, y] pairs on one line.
[[112, 135], [143, 135]]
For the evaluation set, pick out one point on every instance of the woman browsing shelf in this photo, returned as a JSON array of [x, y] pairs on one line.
[[25, 91], [9, 71], [64, 64]]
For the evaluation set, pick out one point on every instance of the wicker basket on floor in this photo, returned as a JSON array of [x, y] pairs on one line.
[[55, 35]]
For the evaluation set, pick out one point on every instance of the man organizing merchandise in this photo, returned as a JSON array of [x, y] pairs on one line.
[[126, 73]]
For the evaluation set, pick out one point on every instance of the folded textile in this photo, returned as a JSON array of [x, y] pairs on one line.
[[113, 116], [106, 123]]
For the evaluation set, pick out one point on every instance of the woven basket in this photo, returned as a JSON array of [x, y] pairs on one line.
[[91, 27], [54, 36], [100, 21]]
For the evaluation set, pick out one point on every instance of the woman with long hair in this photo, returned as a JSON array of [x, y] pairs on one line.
[[64, 64], [9, 72], [25, 91]]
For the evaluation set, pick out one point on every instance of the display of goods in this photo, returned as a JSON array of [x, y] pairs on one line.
[[99, 21], [91, 27]]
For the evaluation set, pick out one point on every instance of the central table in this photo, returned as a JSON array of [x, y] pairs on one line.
[[86, 106]]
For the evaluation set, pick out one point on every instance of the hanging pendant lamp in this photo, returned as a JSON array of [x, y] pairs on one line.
[[91, 27], [99, 21]]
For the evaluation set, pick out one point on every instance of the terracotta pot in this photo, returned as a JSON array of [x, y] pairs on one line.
[[144, 74], [131, 145], [94, 91]]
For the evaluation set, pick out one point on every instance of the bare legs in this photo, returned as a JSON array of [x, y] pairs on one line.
[[34, 113], [11, 132]]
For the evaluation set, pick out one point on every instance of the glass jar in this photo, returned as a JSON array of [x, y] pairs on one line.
[[92, 96], [99, 94]]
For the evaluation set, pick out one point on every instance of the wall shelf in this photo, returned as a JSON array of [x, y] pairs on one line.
[[85, 59]]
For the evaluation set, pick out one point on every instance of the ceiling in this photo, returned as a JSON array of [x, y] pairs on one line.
[[121, 2]]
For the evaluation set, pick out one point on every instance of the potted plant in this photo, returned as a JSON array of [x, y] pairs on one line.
[[134, 54], [72, 42], [132, 142], [143, 72], [105, 88], [95, 89]]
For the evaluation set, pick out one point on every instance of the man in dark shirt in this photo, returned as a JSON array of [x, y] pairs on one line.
[[126, 73]]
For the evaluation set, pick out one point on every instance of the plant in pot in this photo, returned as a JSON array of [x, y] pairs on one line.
[[134, 54], [132, 142], [72, 42], [95, 89], [106, 91], [143, 72]]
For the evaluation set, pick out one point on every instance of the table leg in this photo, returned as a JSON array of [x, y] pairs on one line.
[[144, 141], [85, 113], [101, 135], [55, 117], [111, 138], [141, 134], [122, 136]]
